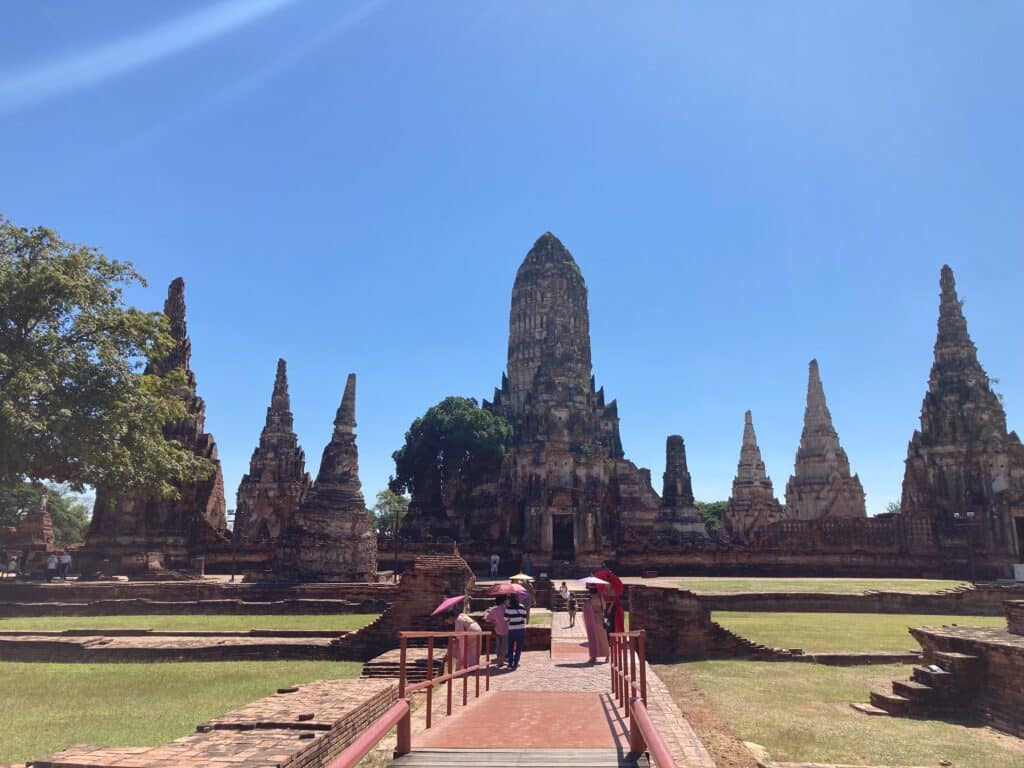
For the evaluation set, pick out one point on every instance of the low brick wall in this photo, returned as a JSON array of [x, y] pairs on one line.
[[975, 601], [304, 727], [1015, 616], [131, 607]]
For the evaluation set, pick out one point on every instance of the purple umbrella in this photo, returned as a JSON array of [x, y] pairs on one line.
[[447, 603]]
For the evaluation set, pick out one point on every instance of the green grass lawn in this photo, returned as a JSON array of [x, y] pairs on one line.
[[48, 707], [848, 586], [840, 631], [801, 712], [221, 622], [540, 618]]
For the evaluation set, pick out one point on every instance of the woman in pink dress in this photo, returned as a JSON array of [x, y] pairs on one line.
[[593, 613], [467, 649]]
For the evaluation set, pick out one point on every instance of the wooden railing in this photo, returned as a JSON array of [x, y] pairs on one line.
[[399, 716], [627, 652]]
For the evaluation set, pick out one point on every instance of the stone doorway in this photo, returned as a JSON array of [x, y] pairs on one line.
[[563, 542], [1020, 538]]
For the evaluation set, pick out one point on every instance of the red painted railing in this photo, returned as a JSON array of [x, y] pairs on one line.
[[399, 715], [627, 652]]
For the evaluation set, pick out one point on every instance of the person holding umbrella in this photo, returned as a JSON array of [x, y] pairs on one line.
[[467, 649], [612, 597], [516, 616], [496, 615], [593, 619]]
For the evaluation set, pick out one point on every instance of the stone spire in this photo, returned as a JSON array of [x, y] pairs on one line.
[[35, 531], [127, 532], [549, 325], [678, 516], [331, 536], [821, 485], [270, 494], [962, 465], [677, 488], [752, 506]]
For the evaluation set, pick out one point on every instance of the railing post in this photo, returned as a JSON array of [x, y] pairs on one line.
[[451, 660], [632, 672], [404, 732], [614, 667], [636, 737], [401, 665], [643, 665], [487, 684], [430, 678], [479, 642]]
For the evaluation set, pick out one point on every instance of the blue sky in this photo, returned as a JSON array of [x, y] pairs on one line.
[[352, 185]]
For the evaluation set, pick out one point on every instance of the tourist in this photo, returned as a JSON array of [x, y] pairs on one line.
[[572, 610], [64, 562], [23, 564], [494, 564], [593, 622], [467, 649], [51, 566], [563, 591], [496, 615], [3, 564], [516, 616]]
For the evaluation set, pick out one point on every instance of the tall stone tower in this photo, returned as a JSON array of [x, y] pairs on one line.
[[678, 516], [963, 469], [752, 506], [821, 485], [135, 534], [270, 494], [331, 536], [565, 491]]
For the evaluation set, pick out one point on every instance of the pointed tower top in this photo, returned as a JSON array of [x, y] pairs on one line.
[[281, 379], [548, 249], [174, 308], [677, 488], [346, 418], [749, 436], [952, 324], [817, 412]]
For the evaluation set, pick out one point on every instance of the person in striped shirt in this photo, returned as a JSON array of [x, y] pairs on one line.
[[516, 615]]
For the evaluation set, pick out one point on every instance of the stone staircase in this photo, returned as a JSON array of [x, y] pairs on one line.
[[388, 664], [943, 686], [517, 758]]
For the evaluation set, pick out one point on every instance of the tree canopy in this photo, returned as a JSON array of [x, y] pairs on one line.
[[455, 444], [390, 507], [711, 513], [75, 404]]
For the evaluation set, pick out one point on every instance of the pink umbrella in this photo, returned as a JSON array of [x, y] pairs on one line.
[[447, 604], [508, 589]]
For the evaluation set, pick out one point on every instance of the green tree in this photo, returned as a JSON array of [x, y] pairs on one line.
[[892, 508], [68, 510], [75, 405], [455, 444], [390, 507], [711, 513]]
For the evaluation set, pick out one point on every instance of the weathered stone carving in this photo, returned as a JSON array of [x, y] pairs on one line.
[[565, 490], [270, 494], [964, 470], [140, 533], [678, 516], [752, 506], [821, 484], [331, 536]]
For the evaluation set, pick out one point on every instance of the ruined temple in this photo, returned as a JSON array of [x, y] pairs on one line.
[[964, 471], [129, 533], [330, 537], [752, 506], [34, 533], [821, 484], [270, 494], [564, 490], [678, 516]]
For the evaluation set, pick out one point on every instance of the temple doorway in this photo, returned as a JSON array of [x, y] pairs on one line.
[[1020, 537], [563, 543]]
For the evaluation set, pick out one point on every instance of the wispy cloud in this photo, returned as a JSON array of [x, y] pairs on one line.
[[92, 67]]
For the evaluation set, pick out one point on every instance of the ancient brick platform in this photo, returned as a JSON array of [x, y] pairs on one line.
[[299, 727]]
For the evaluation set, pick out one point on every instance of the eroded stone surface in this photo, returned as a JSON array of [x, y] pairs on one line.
[[964, 471], [678, 517], [821, 484], [270, 494], [331, 535], [752, 506], [130, 534]]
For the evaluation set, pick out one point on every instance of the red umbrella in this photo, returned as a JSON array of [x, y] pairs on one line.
[[447, 603], [507, 589], [614, 582]]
